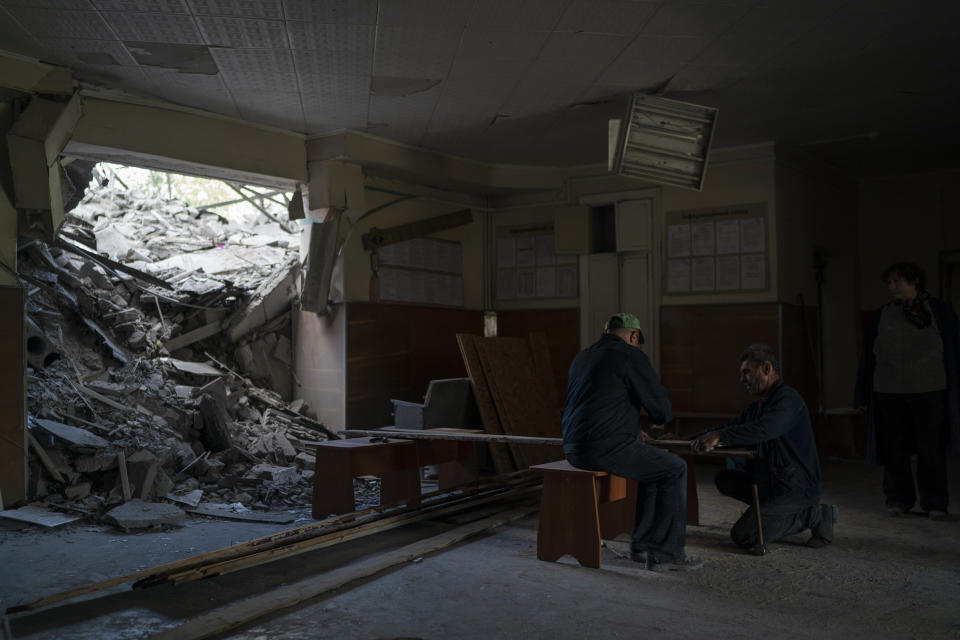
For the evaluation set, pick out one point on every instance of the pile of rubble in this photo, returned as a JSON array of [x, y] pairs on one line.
[[153, 329]]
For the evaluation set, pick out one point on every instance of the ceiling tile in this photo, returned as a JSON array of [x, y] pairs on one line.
[[705, 78], [76, 5], [237, 62], [90, 52], [663, 49], [243, 32], [257, 81], [154, 27], [131, 79], [779, 22], [738, 52], [333, 62], [154, 6], [331, 37], [411, 111], [315, 83], [501, 43], [332, 11], [424, 13], [505, 71], [564, 45], [625, 17], [52, 23], [324, 112], [415, 53], [526, 15], [639, 76], [692, 19], [264, 9]]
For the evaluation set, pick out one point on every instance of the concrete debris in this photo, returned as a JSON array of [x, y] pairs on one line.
[[138, 514], [115, 416]]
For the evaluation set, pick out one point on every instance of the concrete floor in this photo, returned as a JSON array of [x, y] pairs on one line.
[[883, 577]]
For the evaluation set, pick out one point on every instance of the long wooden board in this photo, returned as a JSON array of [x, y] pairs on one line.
[[503, 457], [233, 616]]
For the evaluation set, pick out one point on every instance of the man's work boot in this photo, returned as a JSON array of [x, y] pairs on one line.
[[823, 532], [681, 564], [896, 510], [640, 557]]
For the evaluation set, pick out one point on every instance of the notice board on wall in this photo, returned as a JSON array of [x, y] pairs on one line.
[[528, 267], [422, 271], [717, 250]]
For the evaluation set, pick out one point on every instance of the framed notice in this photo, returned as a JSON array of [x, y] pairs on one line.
[[717, 250], [422, 271], [528, 268]]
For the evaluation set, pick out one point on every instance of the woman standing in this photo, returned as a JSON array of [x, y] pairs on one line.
[[908, 381]]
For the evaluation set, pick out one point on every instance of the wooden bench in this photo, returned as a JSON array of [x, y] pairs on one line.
[[395, 460], [580, 508]]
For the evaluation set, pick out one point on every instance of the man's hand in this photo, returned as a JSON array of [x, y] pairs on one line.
[[643, 436], [706, 442]]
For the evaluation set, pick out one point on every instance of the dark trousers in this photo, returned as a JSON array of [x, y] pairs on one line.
[[908, 423], [660, 527], [778, 520]]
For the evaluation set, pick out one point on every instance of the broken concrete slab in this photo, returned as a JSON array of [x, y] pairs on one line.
[[142, 469], [191, 498], [138, 514], [196, 368], [280, 475], [305, 460], [237, 511], [77, 491], [72, 435], [273, 443], [98, 462], [38, 515], [216, 433]]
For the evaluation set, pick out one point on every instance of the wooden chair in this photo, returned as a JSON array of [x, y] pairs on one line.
[[580, 508]]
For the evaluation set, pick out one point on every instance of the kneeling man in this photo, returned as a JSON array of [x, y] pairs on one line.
[[786, 469]]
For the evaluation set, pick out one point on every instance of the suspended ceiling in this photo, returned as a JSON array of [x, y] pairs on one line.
[[870, 85]]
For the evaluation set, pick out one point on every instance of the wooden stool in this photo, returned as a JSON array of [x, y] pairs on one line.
[[580, 508], [338, 462]]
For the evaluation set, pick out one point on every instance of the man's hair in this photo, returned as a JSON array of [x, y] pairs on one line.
[[760, 353], [909, 271]]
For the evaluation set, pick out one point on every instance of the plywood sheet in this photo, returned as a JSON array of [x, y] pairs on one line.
[[518, 395], [503, 459]]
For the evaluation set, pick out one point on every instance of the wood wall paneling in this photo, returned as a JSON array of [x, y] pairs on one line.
[[13, 442], [393, 351]]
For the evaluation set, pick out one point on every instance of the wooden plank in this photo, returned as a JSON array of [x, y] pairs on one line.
[[44, 458], [487, 493], [190, 337], [442, 434], [515, 388], [124, 479], [503, 457], [233, 616]]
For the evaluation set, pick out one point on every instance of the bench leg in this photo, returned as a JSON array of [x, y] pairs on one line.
[[569, 521], [401, 486], [332, 483], [760, 548], [461, 471], [693, 498]]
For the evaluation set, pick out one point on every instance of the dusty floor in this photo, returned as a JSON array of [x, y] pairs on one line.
[[884, 577]]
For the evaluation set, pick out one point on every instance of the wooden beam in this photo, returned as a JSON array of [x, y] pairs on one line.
[[442, 434], [235, 615], [321, 527]]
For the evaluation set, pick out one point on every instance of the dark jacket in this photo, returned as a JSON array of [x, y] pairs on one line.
[[787, 468], [949, 327], [610, 383]]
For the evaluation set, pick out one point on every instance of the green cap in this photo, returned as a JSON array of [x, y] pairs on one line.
[[628, 320]]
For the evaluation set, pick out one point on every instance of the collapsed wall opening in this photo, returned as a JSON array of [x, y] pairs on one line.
[[159, 341]]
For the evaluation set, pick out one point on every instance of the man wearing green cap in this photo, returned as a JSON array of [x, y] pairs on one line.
[[610, 383]]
